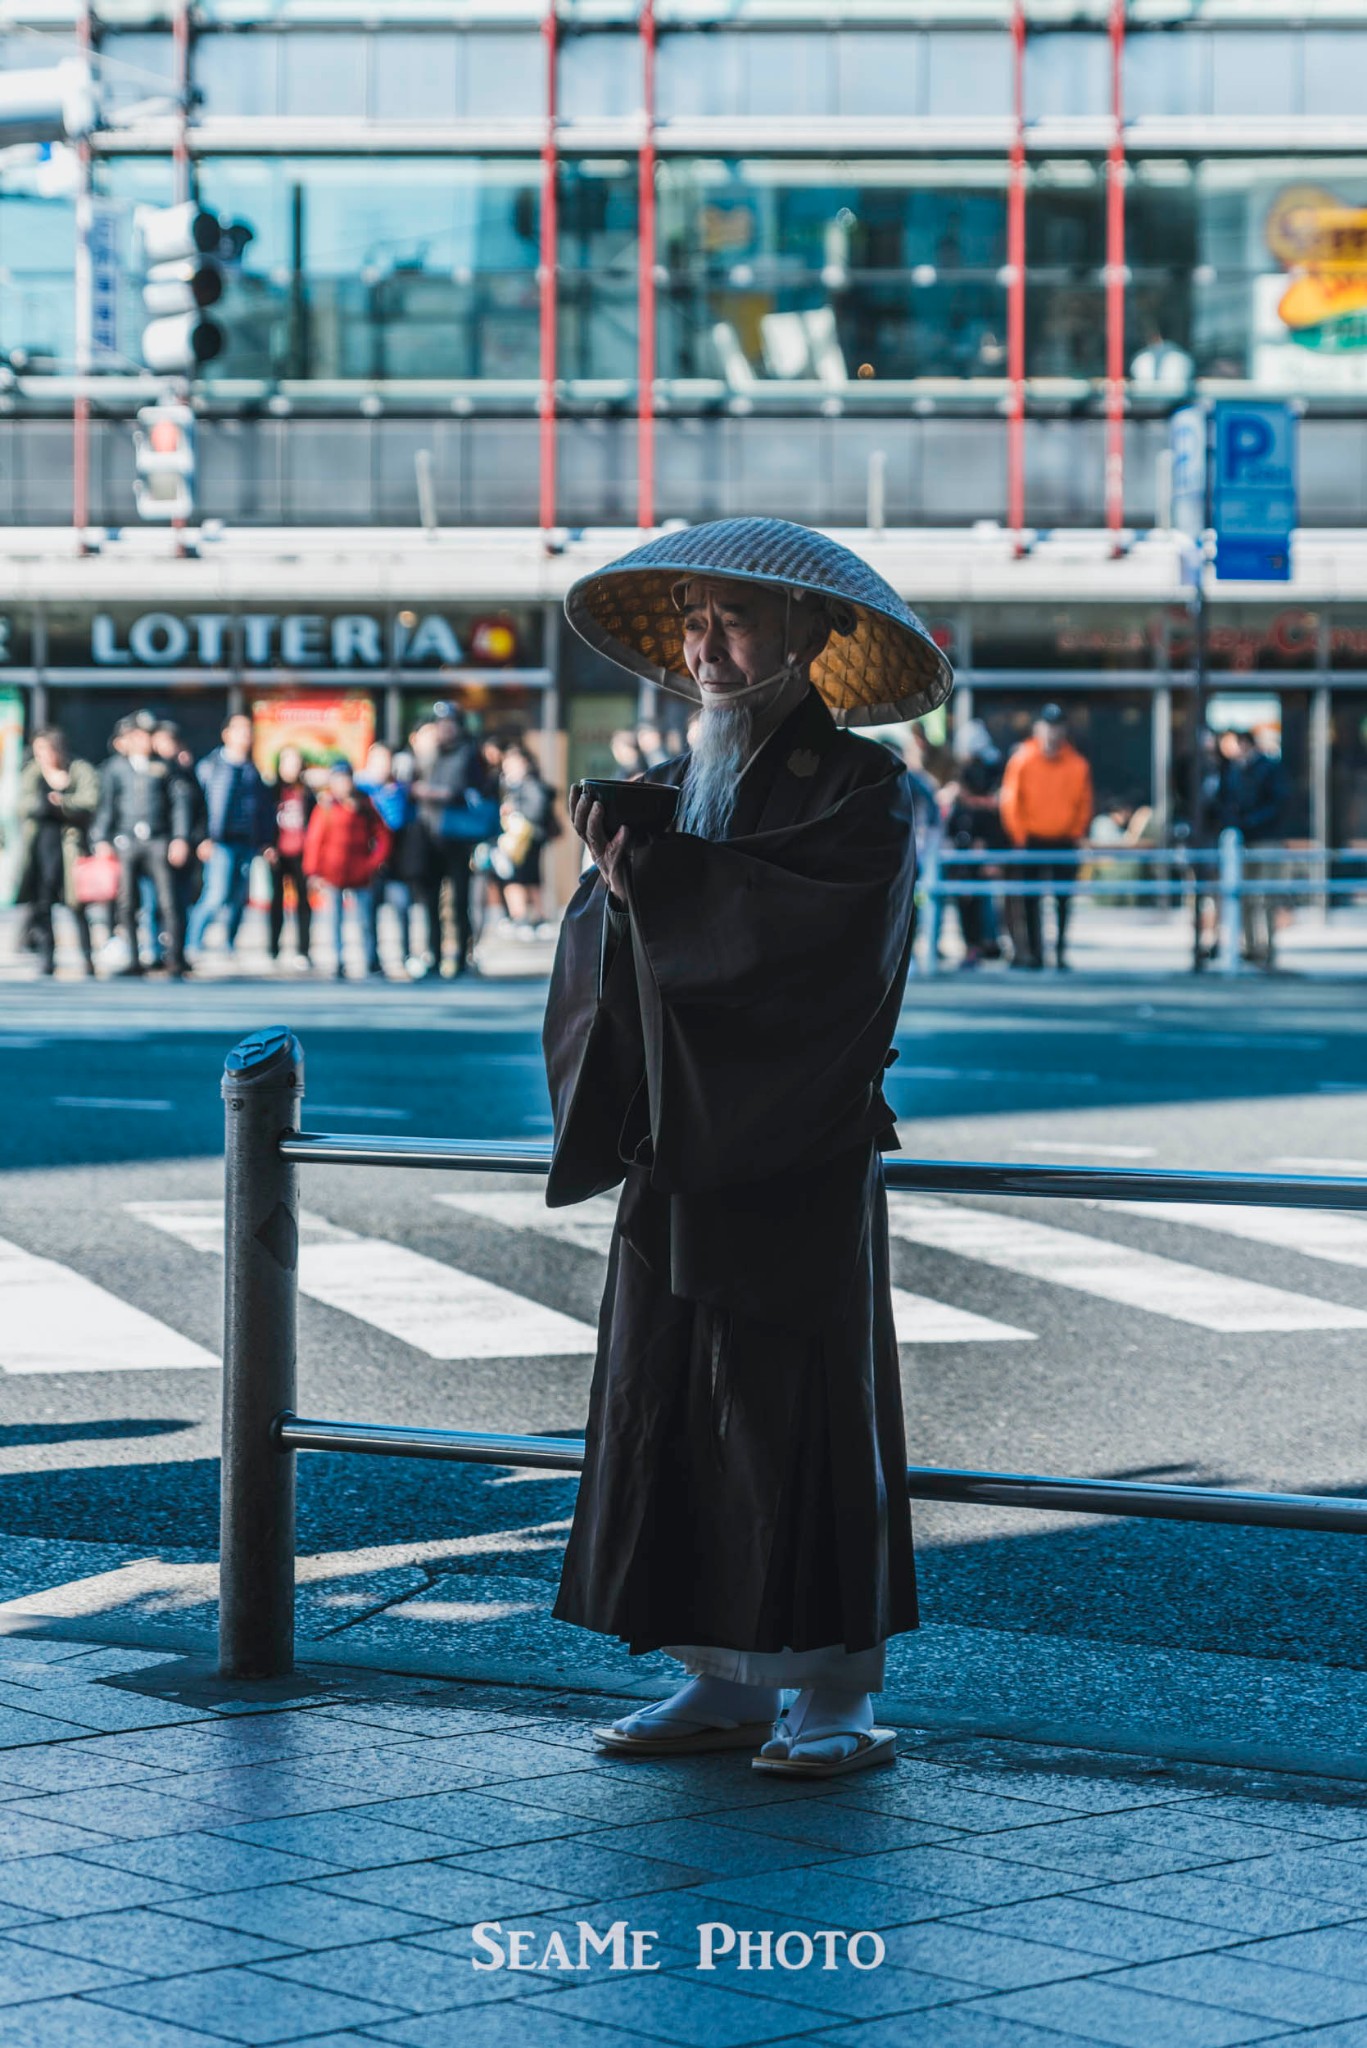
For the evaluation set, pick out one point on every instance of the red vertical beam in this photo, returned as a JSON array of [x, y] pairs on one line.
[[645, 283], [80, 410], [1115, 281], [180, 150], [1015, 289], [547, 282]]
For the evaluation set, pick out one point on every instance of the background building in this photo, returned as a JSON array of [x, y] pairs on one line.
[[939, 268]]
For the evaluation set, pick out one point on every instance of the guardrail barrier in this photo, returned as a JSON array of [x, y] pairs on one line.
[[263, 1087], [1230, 875]]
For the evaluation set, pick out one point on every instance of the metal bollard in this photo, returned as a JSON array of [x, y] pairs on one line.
[[263, 1081], [1231, 899]]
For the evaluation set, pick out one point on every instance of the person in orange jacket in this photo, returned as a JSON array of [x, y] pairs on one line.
[[346, 845], [1046, 807]]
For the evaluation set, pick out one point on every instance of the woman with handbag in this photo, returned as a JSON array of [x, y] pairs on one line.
[[57, 800]]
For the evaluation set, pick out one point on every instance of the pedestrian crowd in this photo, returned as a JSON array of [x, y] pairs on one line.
[[161, 847]]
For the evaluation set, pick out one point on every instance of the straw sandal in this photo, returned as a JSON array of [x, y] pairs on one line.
[[685, 1741], [873, 1746]]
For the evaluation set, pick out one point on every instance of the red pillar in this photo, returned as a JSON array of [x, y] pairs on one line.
[[546, 279], [645, 284], [80, 410], [1115, 281], [1015, 290]]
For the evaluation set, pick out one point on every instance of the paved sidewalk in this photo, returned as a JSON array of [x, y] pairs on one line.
[[185, 1863]]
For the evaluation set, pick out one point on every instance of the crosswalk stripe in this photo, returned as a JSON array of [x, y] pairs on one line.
[[1319, 1233], [918, 1318], [55, 1320], [434, 1307], [1113, 1272]]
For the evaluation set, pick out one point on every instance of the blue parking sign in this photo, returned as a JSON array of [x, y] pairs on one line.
[[1253, 497]]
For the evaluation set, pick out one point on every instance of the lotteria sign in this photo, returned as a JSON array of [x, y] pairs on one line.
[[300, 640]]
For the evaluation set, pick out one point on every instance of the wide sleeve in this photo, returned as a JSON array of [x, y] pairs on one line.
[[770, 972], [592, 1041]]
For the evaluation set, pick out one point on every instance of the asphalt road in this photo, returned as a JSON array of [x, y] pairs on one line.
[[110, 1099]]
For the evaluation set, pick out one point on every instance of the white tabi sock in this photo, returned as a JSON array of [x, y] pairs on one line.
[[823, 1723], [703, 1703]]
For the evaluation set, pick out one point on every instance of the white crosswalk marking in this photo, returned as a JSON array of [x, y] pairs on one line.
[[1113, 1272], [918, 1318], [424, 1302], [1319, 1233], [55, 1320]]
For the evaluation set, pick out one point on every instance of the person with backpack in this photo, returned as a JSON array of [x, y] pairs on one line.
[[294, 806], [346, 845], [458, 810]]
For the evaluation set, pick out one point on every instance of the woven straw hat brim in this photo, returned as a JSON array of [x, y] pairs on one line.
[[888, 668]]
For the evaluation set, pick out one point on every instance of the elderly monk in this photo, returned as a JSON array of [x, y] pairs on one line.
[[724, 996]]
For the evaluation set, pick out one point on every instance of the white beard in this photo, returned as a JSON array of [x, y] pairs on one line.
[[720, 751]]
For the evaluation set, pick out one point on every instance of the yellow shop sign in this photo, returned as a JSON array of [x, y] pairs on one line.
[[1322, 240]]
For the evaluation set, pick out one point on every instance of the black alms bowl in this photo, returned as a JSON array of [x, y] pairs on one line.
[[644, 806]]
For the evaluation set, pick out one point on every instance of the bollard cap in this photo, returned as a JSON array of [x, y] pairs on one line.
[[269, 1058]]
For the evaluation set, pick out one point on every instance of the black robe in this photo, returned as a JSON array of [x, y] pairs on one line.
[[719, 1047]]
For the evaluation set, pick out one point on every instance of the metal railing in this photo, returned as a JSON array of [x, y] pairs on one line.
[[263, 1086], [1229, 875]]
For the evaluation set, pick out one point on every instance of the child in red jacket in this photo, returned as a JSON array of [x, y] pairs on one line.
[[346, 846]]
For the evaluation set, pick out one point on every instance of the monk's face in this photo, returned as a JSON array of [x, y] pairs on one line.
[[733, 637]]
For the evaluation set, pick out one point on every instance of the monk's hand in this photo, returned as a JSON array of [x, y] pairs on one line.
[[609, 854]]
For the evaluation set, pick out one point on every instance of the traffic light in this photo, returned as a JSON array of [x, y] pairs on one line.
[[182, 247], [164, 447]]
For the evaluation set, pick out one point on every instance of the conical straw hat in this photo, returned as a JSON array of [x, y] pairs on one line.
[[883, 668]]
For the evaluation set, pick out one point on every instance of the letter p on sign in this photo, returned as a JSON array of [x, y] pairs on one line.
[[1250, 441]]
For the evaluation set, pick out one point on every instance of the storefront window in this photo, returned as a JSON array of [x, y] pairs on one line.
[[359, 269], [598, 285], [821, 273], [1246, 639], [1065, 248], [1348, 769], [37, 261], [1072, 637], [1348, 637]]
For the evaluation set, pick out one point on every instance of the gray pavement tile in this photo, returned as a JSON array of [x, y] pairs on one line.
[[102, 1707], [310, 1735], [1140, 1845], [1242, 1983], [399, 1973], [994, 1962], [131, 1812], [27, 1834], [579, 1869], [436, 1720], [208, 1863], [72, 2023], [396, 1770], [1339, 1820], [487, 1758], [165, 1749], [841, 1830], [955, 2026], [66, 1885], [1011, 1780], [40, 1973], [443, 1892], [835, 1901], [978, 1879], [1349, 2034], [1130, 2019], [348, 1841], [505, 2024], [461, 1818], [923, 1793], [673, 1917], [1317, 1873], [714, 1849], [148, 1943], [244, 2005], [842, 1993], [303, 1916], [1220, 1899], [1329, 1951], [670, 2008], [266, 1791], [70, 1767], [19, 1728], [607, 1797], [1105, 1931]]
